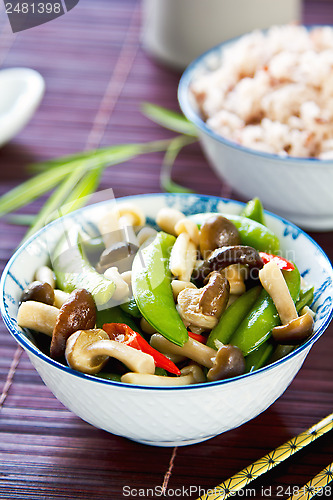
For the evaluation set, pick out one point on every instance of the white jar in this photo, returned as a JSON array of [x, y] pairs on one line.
[[177, 31]]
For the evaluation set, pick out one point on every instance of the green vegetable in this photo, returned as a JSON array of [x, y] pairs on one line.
[[232, 317], [251, 232], [131, 308], [75, 178], [257, 325], [305, 298], [169, 159], [115, 315], [258, 358], [169, 119], [254, 210], [73, 270], [93, 249], [280, 351], [151, 282], [109, 376], [255, 235], [161, 372]]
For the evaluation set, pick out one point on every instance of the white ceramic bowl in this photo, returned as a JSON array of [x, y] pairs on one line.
[[299, 189], [167, 416], [21, 91]]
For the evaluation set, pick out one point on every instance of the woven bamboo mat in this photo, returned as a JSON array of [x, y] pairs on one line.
[[96, 77]]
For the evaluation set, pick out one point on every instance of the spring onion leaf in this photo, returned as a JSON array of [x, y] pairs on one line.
[[54, 202], [21, 219], [168, 119], [170, 156]]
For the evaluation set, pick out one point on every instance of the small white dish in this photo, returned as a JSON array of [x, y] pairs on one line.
[[21, 91]]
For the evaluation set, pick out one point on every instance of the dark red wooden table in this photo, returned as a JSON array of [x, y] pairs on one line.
[[96, 77]]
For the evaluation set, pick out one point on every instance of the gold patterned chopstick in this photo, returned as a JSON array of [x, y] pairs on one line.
[[273, 458], [317, 486]]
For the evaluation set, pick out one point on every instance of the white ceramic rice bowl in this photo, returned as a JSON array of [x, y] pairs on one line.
[[167, 416], [299, 189]]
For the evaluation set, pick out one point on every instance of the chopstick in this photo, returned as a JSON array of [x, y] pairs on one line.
[[316, 486], [267, 462]]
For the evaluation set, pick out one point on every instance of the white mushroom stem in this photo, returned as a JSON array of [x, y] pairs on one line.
[[183, 257], [60, 297], [272, 280], [190, 375], [235, 276], [145, 234], [167, 219], [191, 349], [88, 350], [130, 214], [177, 286], [188, 226], [122, 289], [108, 226], [37, 316], [45, 275]]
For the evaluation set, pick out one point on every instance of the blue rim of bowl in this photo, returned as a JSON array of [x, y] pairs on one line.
[[194, 117], [29, 346]]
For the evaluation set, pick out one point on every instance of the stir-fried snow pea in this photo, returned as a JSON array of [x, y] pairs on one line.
[[258, 358], [73, 270], [257, 325], [115, 377], [254, 210], [232, 317], [255, 235], [131, 308], [151, 283], [251, 232], [280, 351], [305, 298]]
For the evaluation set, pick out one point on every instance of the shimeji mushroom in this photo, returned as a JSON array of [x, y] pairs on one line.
[[45, 274], [191, 374], [167, 218], [217, 232], [183, 257], [117, 224], [37, 316], [294, 329], [225, 256], [39, 292], [192, 349], [227, 362], [119, 254], [294, 332], [77, 313], [88, 351], [202, 307]]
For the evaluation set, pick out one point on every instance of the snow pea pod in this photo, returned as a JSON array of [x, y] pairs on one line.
[[255, 235], [232, 317], [258, 358], [131, 308], [305, 298], [257, 325], [151, 283], [254, 210]]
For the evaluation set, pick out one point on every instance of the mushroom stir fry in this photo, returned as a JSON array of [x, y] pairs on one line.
[[205, 298]]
